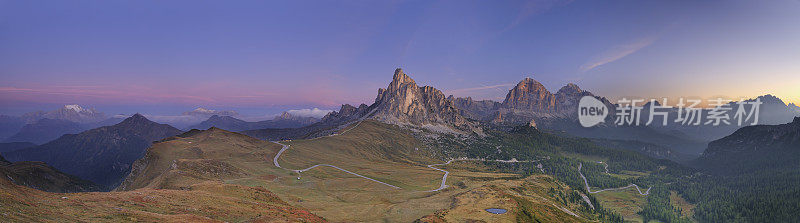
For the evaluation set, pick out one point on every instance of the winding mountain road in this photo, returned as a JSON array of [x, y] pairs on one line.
[[442, 186], [606, 166], [444, 178], [580, 165], [285, 147], [446, 173]]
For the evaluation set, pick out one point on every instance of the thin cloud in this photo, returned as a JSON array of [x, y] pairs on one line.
[[534, 7], [617, 52], [474, 89]]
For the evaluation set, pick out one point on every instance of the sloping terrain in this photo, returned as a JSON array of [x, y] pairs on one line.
[[208, 202], [102, 155], [200, 155], [39, 175], [751, 148], [44, 130], [754, 165], [384, 152], [11, 146]]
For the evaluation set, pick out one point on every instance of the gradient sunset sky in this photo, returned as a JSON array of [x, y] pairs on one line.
[[262, 57]]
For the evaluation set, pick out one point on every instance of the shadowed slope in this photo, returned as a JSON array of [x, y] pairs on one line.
[[207, 202], [102, 155], [39, 175]]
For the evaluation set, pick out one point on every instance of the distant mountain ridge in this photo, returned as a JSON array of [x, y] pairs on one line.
[[209, 112], [102, 155], [44, 130], [73, 113], [11, 146], [41, 127], [526, 101], [327, 125], [10, 125], [285, 120]]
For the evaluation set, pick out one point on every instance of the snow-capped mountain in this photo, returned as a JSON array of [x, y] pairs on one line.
[[203, 112], [73, 113]]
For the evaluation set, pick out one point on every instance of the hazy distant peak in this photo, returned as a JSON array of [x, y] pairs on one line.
[[794, 108], [200, 111], [306, 112], [770, 99], [569, 89], [136, 119], [72, 112], [78, 108]]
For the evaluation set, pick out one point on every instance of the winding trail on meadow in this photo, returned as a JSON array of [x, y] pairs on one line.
[[285, 147], [446, 173], [442, 186], [586, 182]]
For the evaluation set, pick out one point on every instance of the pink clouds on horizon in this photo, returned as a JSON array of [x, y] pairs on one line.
[[127, 94]]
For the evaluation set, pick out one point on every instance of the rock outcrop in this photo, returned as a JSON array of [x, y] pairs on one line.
[[530, 95], [403, 102], [346, 113], [473, 109]]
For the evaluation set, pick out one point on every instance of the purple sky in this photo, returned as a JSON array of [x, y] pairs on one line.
[[262, 57]]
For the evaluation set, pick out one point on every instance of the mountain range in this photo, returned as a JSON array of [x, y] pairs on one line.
[[73, 113], [41, 127], [102, 155], [526, 144], [285, 120], [44, 130], [403, 102]]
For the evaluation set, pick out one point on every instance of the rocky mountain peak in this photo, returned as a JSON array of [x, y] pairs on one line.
[[400, 78], [770, 99], [136, 118], [529, 94], [403, 102], [569, 89], [530, 84], [139, 123], [346, 113]]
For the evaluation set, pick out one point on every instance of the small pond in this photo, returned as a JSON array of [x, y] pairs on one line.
[[496, 210]]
